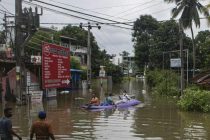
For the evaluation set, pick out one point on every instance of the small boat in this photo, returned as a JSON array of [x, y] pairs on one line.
[[129, 103]]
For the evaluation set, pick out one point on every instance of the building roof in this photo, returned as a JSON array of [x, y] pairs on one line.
[[202, 79]]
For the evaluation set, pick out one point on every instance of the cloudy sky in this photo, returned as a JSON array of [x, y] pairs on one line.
[[113, 39]]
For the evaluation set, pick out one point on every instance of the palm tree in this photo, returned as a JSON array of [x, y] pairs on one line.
[[189, 10]]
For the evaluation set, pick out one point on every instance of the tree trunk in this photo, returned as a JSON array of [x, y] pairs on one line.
[[193, 51]]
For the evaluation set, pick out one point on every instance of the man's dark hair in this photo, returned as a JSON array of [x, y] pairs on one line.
[[6, 110]]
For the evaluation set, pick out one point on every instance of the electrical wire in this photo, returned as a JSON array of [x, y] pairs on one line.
[[6, 9], [142, 9], [6, 12], [36, 35], [78, 12], [35, 43], [67, 14], [89, 10], [131, 9], [159, 11], [123, 5], [33, 47], [77, 24]]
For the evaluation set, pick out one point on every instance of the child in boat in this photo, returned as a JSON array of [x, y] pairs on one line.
[[94, 100]]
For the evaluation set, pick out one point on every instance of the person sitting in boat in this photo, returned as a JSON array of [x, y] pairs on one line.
[[124, 98], [109, 100], [94, 100]]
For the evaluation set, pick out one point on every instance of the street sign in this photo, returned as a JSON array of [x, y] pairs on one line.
[[36, 59], [55, 66], [175, 63], [28, 79]]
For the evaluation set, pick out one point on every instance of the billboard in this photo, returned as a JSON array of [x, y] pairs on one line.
[[55, 66]]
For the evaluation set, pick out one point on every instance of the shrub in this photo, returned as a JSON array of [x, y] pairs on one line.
[[163, 82], [195, 99]]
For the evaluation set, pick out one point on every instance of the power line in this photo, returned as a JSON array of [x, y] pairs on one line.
[[123, 5], [142, 9], [67, 14], [33, 47], [141, 4], [78, 12], [159, 11], [6, 12], [6, 9], [76, 24], [88, 10], [46, 38]]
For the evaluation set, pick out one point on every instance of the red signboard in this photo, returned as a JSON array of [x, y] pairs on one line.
[[55, 66]]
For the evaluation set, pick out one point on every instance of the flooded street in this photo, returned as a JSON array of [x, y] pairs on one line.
[[156, 118]]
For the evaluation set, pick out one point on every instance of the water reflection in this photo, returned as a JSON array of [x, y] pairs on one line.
[[158, 118]]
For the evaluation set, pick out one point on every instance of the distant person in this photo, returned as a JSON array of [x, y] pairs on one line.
[[6, 131], [94, 100], [41, 128]]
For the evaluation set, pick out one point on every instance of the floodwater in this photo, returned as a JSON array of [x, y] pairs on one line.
[[156, 118]]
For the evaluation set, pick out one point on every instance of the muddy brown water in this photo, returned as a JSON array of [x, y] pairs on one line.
[[156, 118]]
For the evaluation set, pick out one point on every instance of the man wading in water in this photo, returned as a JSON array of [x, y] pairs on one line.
[[41, 128]]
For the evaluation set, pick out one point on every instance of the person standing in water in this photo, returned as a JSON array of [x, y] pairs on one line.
[[41, 128], [6, 131]]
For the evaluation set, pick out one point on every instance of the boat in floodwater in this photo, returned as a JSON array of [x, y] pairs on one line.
[[129, 103]]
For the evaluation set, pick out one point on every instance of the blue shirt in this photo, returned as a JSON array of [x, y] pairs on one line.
[[5, 127], [109, 100]]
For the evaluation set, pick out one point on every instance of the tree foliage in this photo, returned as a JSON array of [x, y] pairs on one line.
[[202, 42], [78, 37], [190, 10], [153, 39]]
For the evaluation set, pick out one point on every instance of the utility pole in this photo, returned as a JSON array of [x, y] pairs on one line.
[[181, 56], [18, 41], [26, 23], [89, 71]]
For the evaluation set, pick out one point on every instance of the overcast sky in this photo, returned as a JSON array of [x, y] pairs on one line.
[[113, 39]]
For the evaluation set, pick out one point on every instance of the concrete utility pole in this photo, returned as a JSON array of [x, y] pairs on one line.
[[89, 71], [18, 41], [181, 56], [26, 23]]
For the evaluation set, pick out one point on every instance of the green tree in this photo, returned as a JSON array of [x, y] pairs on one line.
[[153, 39], [75, 64], [189, 10], [144, 28], [114, 71], [202, 42]]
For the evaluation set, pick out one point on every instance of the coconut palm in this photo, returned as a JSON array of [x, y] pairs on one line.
[[189, 10]]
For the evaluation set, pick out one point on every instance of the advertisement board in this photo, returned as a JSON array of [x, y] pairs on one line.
[[55, 66]]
